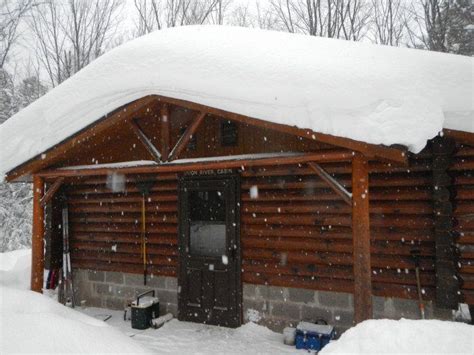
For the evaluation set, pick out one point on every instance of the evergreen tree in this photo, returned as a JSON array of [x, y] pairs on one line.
[[29, 90], [16, 199], [460, 32], [7, 96]]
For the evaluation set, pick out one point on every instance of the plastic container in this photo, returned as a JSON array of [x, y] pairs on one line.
[[144, 310], [311, 336], [289, 334]]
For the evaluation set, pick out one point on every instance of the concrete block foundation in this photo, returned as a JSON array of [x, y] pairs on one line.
[[278, 307], [274, 307], [114, 290]]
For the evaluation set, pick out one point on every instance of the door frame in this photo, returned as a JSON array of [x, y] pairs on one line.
[[182, 239]]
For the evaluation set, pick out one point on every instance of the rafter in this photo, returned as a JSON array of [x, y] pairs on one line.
[[333, 183], [51, 191], [187, 135], [146, 141]]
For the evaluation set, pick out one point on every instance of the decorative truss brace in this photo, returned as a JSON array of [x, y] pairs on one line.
[[333, 183]]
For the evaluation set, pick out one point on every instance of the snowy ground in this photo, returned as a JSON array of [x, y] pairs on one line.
[[34, 323]]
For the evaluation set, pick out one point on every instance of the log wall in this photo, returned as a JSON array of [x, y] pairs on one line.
[[106, 226], [295, 231]]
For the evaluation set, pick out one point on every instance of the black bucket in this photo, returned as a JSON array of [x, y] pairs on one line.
[[142, 314]]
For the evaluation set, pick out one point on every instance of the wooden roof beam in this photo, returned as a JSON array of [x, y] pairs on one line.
[[324, 156], [51, 155], [333, 183], [187, 136], [51, 191], [397, 154], [155, 153]]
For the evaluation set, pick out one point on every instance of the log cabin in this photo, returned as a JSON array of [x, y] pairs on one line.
[[243, 182]]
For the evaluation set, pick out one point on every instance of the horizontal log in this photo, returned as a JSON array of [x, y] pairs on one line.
[[397, 234], [324, 284], [313, 283], [315, 245], [314, 183], [468, 296], [401, 291], [463, 180], [124, 258], [392, 207], [465, 193], [376, 194], [129, 198], [465, 151], [129, 188], [151, 218], [464, 163], [344, 273], [409, 222], [152, 238], [166, 229], [124, 208], [339, 168], [338, 272], [464, 207], [466, 266], [124, 248], [102, 180], [383, 262], [129, 268], [466, 238]]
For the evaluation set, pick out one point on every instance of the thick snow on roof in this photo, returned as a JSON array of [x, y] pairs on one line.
[[376, 94]]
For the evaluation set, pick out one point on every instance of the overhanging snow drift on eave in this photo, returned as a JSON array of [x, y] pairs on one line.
[[367, 93], [126, 113]]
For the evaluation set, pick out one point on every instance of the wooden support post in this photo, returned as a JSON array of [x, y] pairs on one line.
[[165, 131], [361, 239], [37, 240], [332, 183], [187, 135]]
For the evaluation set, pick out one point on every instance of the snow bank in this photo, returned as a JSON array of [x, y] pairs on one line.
[[33, 323], [366, 92], [177, 337], [15, 269], [405, 337]]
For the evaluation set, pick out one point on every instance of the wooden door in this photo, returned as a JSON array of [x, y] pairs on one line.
[[209, 274]]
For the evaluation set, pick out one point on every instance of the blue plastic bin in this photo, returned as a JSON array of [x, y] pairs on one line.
[[313, 336]]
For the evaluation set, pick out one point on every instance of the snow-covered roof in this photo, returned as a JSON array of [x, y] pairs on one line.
[[376, 94]]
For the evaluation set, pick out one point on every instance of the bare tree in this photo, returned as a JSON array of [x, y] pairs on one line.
[[355, 18], [11, 13], [241, 16], [428, 24], [266, 18], [348, 19], [388, 19], [71, 34], [157, 14]]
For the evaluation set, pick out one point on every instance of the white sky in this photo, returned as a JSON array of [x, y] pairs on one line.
[[23, 62]]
